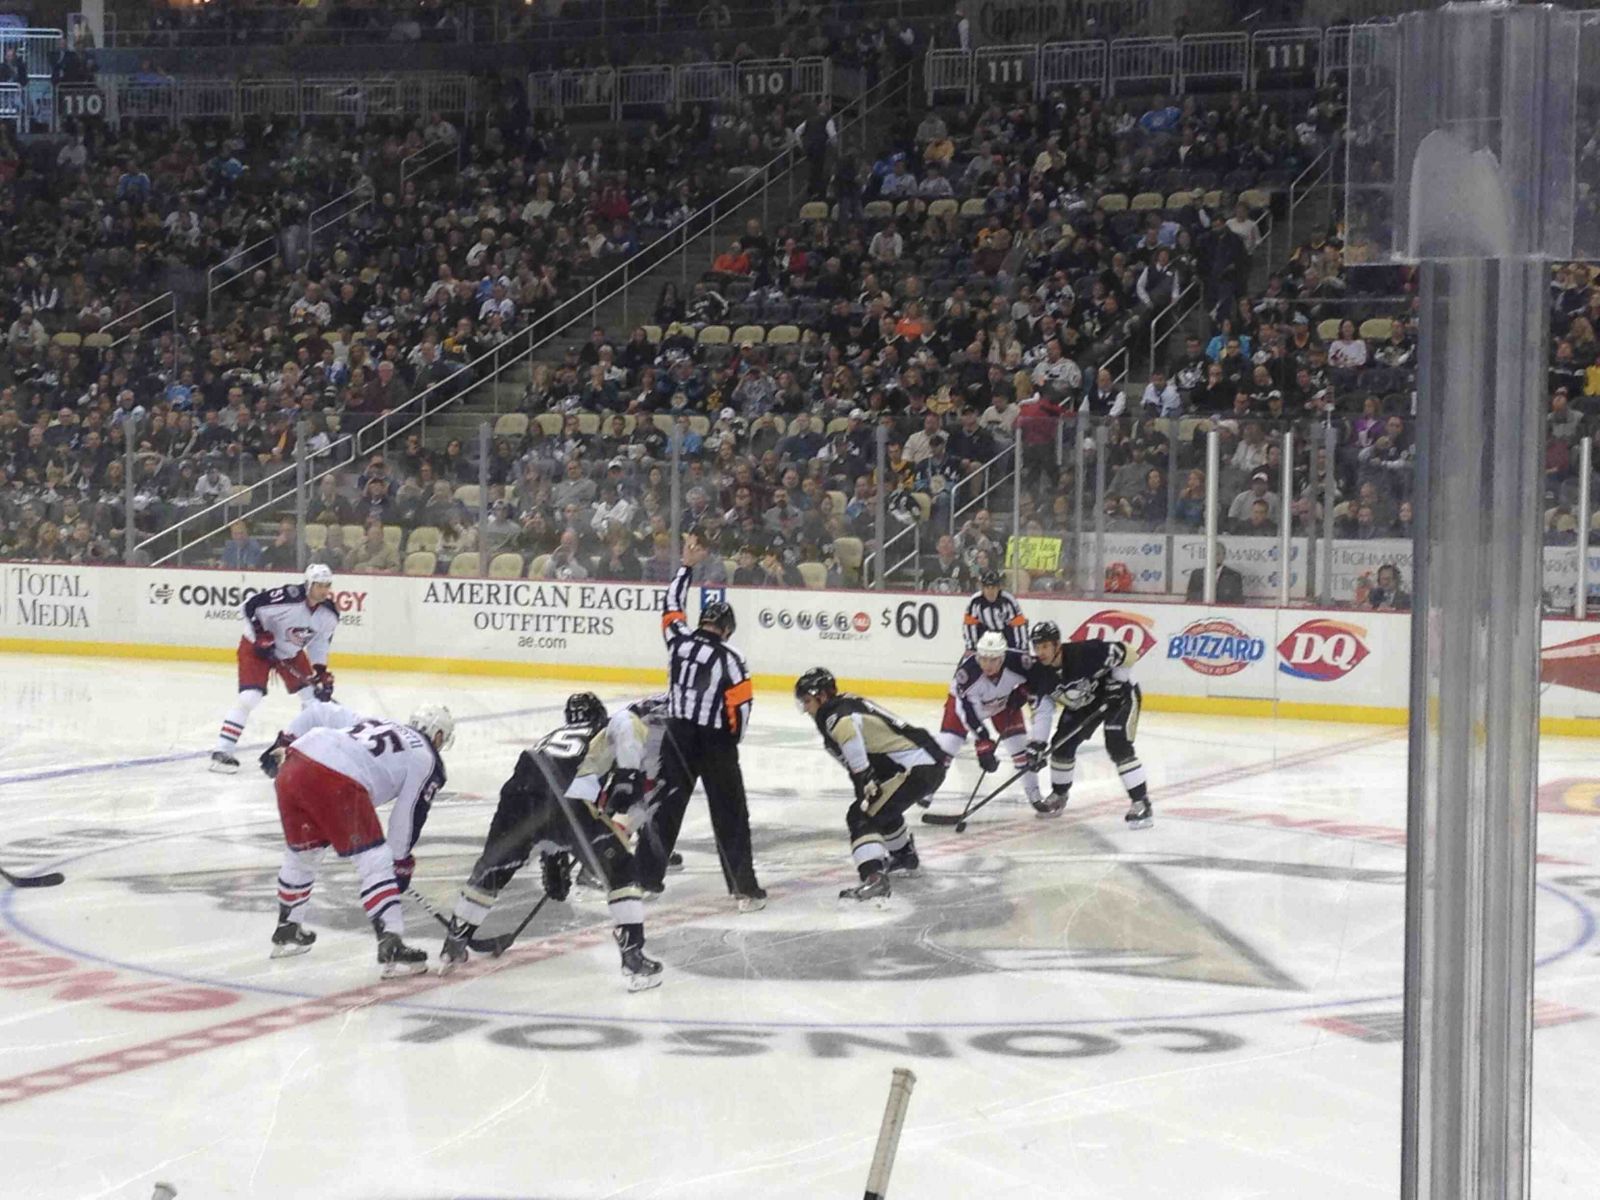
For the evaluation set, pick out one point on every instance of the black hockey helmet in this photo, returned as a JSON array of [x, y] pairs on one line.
[[990, 578], [719, 616], [1044, 631], [818, 681], [585, 708]]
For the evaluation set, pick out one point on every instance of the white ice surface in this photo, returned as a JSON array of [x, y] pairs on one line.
[[1090, 1012]]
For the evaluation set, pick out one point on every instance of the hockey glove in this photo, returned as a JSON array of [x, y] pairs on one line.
[[322, 683], [869, 789], [272, 757], [1038, 755], [555, 871], [404, 868], [987, 762], [625, 789], [263, 645]]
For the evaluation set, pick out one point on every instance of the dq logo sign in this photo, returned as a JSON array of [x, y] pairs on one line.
[[1322, 650], [1214, 646], [1133, 630]]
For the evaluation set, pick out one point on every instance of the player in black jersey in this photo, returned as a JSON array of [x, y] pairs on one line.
[[994, 608], [575, 793], [1089, 683], [893, 766]]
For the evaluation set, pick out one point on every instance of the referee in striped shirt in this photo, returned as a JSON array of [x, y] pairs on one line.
[[708, 706], [993, 609]]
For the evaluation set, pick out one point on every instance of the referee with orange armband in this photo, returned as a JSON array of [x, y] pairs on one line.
[[994, 609], [708, 706]]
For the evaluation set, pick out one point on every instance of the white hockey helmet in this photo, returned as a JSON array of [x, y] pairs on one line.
[[992, 645], [434, 720], [319, 573]]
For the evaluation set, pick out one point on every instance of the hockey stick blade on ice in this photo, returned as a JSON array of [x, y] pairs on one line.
[[50, 879], [950, 818], [960, 823], [492, 946], [496, 946]]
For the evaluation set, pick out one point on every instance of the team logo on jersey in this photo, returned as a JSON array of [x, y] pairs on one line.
[[1133, 630], [1322, 650], [160, 593], [1215, 646]]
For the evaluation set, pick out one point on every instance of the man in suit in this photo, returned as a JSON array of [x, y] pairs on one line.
[[1230, 584]]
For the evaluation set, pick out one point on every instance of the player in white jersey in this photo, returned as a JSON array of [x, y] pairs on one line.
[[330, 786], [990, 687], [651, 714], [288, 631]]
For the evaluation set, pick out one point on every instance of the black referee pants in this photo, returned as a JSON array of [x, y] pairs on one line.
[[693, 754]]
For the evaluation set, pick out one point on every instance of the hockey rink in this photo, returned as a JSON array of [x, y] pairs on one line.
[[1206, 1009]]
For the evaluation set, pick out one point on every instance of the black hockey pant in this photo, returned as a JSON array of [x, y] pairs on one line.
[[880, 830], [524, 820], [692, 754], [1121, 720]]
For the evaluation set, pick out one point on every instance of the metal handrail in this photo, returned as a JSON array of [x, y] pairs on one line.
[[616, 280], [363, 189], [169, 313], [410, 168], [233, 500], [272, 240], [1299, 183], [988, 486], [1189, 293]]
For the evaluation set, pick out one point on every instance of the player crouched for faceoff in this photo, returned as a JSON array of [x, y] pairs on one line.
[[990, 687], [330, 785], [288, 632], [893, 765], [1089, 683], [578, 792]]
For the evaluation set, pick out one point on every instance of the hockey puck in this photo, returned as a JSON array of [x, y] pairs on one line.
[[961, 826], [164, 1191]]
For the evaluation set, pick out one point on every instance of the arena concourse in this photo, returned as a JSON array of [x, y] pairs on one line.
[[453, 353]]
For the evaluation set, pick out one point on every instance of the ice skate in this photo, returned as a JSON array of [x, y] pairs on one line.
[[291, 938], [396, 959], [1052, 805], [1139, 815], [752, 899], [904, 861], [873, 887], [453, 953], [641, 972], [223, 763]]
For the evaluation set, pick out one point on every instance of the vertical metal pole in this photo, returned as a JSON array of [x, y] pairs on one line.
[[483, 498], [1079, 525], [1580, 601], [881, 510], [1101, 432], [675, 491], [1313, 490], [1285, 519], [127, 489], [1474, 730], [302, 501], [1016, 507], [1330, 495], [1172, 505], [1213, 466]]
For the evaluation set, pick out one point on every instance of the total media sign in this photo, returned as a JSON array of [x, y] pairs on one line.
[[1322, 650], [1215, 646]]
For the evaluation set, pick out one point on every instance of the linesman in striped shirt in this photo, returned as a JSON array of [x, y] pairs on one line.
[[708, 706], [994, 608]]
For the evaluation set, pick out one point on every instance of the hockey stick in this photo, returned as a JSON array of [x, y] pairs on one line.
[[493, 946], [946, 818], [498, 945], [960, 822], [51, 879]]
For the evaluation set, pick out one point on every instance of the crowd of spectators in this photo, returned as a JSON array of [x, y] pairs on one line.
[[403, 295], [967, 282], [965, 286]]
